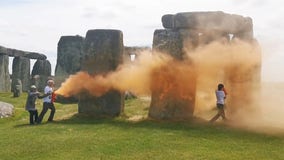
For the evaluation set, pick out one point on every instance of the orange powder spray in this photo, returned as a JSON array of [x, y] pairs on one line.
[[236, 64], [135, 77]]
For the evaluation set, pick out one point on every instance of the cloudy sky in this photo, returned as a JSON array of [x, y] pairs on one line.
[[37, 25]]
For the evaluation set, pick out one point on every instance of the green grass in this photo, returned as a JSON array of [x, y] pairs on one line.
[[79, 137]]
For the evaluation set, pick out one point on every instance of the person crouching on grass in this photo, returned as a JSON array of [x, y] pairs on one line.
[[220, 96], [31, 103]]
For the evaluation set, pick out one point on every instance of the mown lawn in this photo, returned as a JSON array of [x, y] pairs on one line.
[[131, 136]]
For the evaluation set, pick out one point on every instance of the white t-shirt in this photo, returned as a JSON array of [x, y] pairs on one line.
[[220, 95], [47, 89]]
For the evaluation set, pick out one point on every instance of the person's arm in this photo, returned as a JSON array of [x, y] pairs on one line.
[[44, 95], [225, 91], [224, 95]]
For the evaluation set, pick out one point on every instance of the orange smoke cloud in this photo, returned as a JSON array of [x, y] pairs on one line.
[[174, 80], [209, 64], [135, 77], [236, 64], [83, 82]]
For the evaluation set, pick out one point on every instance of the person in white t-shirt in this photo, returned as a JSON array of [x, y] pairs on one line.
[[47, 102], [220, 96]]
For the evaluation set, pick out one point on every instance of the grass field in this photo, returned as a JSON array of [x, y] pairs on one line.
[[131, 136]]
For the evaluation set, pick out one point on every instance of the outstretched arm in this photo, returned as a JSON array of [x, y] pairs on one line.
[[44, 95]]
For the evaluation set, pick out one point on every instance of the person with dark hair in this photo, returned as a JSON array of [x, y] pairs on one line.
[[31, 103], [48, 102], [220, 96]]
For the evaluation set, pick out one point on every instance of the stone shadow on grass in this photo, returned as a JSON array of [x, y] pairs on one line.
[[196, 125], [193, 125]]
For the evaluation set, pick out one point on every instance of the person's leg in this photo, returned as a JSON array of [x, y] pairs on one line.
[[44, 110], [31, 117], [52, 108], [36, 116], [222, 113], [219, 106], [215, 117]]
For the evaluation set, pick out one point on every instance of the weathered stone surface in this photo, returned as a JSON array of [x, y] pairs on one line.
[[190, 39], [66, 100], [17, 91], [69, 52], [193, 38], [110, 104], [40, 73], [170, 108], [103, 52], [244, 35], [19, 53], [21, 71], [168, 21], [168, 41], [5, 84], [219, 21], [165, 104], [42, 67], [173, 92], [6, 109]]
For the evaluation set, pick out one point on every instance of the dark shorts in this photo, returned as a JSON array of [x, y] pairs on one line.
[[220, 106]]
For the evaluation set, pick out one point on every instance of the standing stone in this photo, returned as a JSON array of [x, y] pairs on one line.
[[21, 71], [169, 42], [5, 84], [18, 88], [40, 73], [173, 93], [42, 67], [69, 52], [103, 52], [171, 99]]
